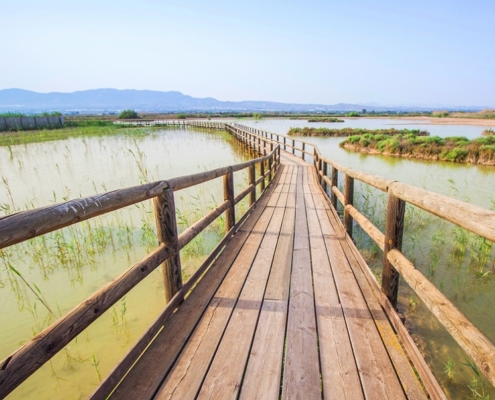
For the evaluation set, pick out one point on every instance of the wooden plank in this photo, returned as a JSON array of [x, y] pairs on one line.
[[301, 377], [407, 376], [145, 378], [188, 372], [377, 374], [264, 369], [340, 377], [225, 374]]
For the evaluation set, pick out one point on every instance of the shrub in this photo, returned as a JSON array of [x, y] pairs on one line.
[[128, 114]]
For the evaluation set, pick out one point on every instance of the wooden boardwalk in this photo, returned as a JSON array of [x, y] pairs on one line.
[[285, 311]]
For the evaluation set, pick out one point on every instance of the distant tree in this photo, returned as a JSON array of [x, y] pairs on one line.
[[363, 111], [181, 116], [128, 114], [353, 114]]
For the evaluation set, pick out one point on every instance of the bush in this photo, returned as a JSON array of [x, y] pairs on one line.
[[353, 114], [128, 114]]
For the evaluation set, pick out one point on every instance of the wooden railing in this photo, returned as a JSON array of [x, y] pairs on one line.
[[172, 122], [25, 225], [475, 219]]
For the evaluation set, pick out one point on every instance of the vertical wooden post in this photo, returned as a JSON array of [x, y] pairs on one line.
[[271, 167], [335, 182], [393, 240], [303, 150], [348, 199], [278, 155], [325, 173], [228, 194], [293, 146], [285, 144], [166, 229], [252, 181], [262, 173]]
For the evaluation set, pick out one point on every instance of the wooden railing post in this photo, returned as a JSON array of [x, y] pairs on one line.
[[325, 173], [166, 229], [293, 146], [228, 194], [335, 182], [252, 181], [303, 151], [348, 199], [285, 144], [262, 173], [393, 240]]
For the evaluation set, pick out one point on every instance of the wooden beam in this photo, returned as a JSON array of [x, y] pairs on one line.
[[393, 240]]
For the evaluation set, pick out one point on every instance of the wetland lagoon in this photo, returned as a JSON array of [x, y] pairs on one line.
[[46, 277]]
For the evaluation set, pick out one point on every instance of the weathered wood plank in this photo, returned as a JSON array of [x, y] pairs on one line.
[[224, 378], [264, 369], [340, 377], [378, 377], [408, 379], [301, 378]]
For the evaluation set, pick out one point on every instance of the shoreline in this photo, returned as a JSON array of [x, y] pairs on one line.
[[424, 157]]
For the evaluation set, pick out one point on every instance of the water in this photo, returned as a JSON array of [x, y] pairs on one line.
[[460, 264], [63, 268]]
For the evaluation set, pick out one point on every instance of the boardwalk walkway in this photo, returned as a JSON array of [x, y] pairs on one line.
[[285, 311]]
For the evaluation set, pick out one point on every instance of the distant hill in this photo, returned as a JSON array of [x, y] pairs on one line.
[[108, 100]]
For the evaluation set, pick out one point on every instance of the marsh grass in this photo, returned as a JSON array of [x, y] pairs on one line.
[[85, 129], [344, 132], [454, 149]]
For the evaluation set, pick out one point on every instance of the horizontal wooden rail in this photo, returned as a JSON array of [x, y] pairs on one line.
[[470, 338], [25, 225], [32, 355], [475, 219]]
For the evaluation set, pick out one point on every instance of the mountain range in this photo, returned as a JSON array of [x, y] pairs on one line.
[[114, 100]]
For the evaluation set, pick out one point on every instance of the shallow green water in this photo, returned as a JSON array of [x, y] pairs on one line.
[[460, 264], [63, 268]]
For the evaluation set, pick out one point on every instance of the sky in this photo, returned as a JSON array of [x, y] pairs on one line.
[[325, 52]]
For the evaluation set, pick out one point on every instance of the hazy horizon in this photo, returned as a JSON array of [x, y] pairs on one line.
[[423, 54]]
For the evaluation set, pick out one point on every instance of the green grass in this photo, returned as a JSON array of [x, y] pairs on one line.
[[72, 129], [332, 132], [325, 119], [455, 149]]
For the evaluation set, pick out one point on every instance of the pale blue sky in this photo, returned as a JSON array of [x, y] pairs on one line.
[[388, 52]]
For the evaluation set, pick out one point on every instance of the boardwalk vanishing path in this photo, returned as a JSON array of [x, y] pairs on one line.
[[284, 311]]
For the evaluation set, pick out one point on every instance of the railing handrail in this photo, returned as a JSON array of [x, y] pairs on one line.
[[475, 219], [25, 225]]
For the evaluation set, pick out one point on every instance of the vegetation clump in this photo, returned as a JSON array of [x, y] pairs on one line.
[[455, 149], [488, 132], [325, 119], [344, 132], [128, 114]]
